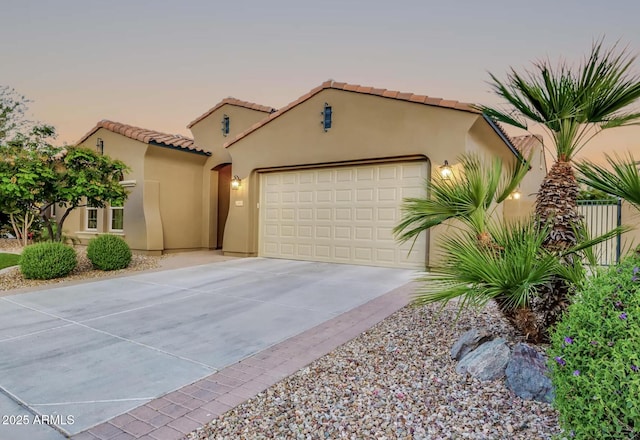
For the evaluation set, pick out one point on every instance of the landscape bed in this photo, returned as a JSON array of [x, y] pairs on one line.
[[396, 380]]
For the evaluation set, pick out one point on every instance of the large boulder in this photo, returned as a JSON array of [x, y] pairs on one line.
[[526, 374], [487, 362], [469, 341]]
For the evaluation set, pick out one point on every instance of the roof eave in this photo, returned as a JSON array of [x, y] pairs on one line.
[[88, 134], [503, 136], [250, 106], [184, 150], [344, 87]]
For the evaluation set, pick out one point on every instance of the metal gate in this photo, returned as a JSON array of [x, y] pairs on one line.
[[601, 216]]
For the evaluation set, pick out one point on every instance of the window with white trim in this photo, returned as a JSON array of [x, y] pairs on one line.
[[116, 218], [92, 218]]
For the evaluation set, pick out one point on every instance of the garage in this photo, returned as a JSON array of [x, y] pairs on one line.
[[343, 214]]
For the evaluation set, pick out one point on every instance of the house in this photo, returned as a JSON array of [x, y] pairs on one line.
[[320, 179], [164, 208]]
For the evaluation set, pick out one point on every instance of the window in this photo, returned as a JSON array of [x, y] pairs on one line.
[[92, 218], [326, 120], [225, 125], [116, 218]]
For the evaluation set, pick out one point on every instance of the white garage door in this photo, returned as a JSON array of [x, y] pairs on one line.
[[342, 214]]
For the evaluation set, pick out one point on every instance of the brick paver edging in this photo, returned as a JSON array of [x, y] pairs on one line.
[[176, 414]]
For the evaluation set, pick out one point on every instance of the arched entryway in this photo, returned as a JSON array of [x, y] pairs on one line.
[[224, 186]]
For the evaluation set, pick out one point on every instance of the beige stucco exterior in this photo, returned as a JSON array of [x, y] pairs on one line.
[[181, 199], [365, 128], [207, 133], [163, 212], [132, 153]]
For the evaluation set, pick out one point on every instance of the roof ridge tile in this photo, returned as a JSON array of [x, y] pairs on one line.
[[331, 84], [230, 100], [147, 136]]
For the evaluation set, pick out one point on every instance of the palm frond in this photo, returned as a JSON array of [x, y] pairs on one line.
[[513, 177], [622, 179], [469, 196], [621, 120], [513, 269], [563, 98]]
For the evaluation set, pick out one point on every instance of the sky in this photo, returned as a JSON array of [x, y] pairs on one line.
[[160, 64]]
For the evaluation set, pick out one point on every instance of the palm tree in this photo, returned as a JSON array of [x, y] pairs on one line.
[[573, 105], [482, 258], [468, 196]]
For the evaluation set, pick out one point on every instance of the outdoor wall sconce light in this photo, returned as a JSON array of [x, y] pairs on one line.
[[326, 117], [100, 146], [225, 125], [445, 170], [515, 195], [235, 182]]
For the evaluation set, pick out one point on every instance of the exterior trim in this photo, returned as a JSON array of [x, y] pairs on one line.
[[391, 159], [172, 147], [383, 93], [235, 102], [503, 136]]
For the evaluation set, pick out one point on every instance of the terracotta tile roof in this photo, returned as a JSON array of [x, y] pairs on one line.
[[232, 101], [392, 94], [524, 144], [148, 137]]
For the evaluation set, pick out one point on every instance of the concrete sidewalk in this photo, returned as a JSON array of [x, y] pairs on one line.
[[105, 349]]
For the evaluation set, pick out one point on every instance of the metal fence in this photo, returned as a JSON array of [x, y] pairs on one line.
[[601, 216]]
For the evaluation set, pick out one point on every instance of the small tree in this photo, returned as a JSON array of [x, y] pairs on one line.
[[12, 109], [34, 174], [573, 104], [26, 180], [84, 178], [483, 258]]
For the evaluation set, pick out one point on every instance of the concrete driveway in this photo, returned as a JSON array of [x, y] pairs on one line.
[[86, 353]]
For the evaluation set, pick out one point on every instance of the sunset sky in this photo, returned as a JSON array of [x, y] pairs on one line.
[[159, 64]]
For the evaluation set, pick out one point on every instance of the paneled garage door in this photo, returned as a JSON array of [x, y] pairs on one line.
[[342, 214]]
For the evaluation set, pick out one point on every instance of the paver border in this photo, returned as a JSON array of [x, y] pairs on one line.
[[178, 413]]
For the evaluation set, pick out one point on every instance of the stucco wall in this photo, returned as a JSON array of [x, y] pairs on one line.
[[131, 152], [207, 134], [364, 127], [179, 178]]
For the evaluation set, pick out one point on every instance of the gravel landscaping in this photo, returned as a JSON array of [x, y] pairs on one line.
[[12, 279], [395, 381]]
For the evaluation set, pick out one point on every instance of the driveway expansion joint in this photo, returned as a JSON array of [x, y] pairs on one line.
[[252, 375]]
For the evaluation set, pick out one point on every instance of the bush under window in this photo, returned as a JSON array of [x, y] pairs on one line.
[[109, 252]]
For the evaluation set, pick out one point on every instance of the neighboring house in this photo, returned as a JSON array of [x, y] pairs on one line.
[[321, 179]]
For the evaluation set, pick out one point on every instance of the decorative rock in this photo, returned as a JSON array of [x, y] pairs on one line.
[[469, 341], [526, 374], [487, 362]]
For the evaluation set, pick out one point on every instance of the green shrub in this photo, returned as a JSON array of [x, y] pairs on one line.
[[595, 360], [109, 252], [44, 261]]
